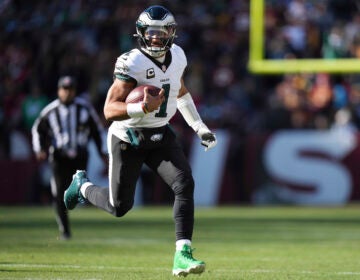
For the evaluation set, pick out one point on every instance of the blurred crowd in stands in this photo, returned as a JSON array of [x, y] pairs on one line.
[[42, 40]]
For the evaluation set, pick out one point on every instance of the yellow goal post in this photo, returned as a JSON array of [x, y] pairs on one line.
[[259, 65]]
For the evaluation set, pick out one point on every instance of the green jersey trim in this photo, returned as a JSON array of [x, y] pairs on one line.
[[125, 78]]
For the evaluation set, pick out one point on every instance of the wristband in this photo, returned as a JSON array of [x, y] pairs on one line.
[[135, 110]]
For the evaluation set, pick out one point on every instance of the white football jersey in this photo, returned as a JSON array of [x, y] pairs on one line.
[[144, 70]]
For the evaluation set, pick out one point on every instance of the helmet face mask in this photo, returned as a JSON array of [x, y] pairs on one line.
[[156, 28]]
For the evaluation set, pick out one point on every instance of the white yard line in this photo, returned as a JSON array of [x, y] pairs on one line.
[[119, 268]]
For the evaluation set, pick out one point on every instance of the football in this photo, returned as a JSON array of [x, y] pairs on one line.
[[137, 94]]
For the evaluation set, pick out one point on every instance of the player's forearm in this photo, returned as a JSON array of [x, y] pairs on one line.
[[115, 108], [187, 108], [115, 111]]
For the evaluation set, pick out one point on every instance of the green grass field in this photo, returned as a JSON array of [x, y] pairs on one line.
[[235, 242]]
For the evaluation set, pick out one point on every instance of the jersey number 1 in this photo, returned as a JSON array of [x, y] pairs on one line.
[[162, 112]]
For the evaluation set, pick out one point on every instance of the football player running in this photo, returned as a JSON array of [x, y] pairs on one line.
[[140, 132]]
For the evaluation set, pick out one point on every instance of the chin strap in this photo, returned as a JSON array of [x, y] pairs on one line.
[[188, 110], [154, 54]]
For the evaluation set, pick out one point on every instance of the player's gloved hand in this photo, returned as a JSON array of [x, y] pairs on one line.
[[208, 139]]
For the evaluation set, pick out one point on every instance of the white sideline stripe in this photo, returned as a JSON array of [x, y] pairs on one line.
[[164, 269]]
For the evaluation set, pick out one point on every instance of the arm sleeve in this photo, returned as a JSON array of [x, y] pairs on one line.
[[188, 110]]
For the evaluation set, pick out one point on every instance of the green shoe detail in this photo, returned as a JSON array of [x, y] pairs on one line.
[[72, 195], [184, 263]]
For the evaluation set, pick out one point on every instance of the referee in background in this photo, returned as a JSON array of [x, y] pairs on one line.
[[61, 134]]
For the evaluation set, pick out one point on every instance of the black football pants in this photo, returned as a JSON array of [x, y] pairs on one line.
[[63, 168], [167, 160]]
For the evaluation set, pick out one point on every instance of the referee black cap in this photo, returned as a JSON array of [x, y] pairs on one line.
[[66, 82]]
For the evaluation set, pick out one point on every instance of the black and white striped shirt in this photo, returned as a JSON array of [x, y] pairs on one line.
[[67, 128]]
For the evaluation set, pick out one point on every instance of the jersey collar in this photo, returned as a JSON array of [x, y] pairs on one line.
[[162, 65]]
